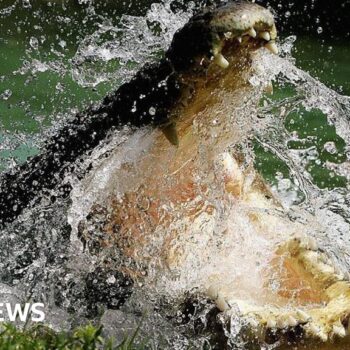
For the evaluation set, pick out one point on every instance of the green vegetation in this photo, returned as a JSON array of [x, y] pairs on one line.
[[41, 337]]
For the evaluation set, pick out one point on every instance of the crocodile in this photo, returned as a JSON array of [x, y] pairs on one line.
[[178, 199]]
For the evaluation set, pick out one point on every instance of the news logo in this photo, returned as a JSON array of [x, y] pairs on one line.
[[23, 312]]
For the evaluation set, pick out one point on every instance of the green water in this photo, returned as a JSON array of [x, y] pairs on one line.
[[35, 98], [328, 62]]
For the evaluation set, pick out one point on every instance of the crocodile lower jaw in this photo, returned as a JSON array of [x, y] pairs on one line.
[[320, 311]]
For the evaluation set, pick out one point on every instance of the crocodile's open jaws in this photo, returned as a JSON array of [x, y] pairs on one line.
[[186, 212], [192, 216]]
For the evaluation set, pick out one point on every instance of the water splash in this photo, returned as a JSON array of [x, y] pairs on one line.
[[59, 74], [322, 210], [43, 255], [115, 53], [326, 204]]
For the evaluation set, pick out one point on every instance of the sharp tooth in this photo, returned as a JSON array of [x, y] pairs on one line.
[[252, 32], [212, 292], [282, 322], [265, 35], [221, 303], [314, 329], [271, 46], [273, 32], [323, 336], [271, 323], [339, 330], [171, 134], [292, 322], [303, 316], [221, 61], [317, 332], [239, 38]]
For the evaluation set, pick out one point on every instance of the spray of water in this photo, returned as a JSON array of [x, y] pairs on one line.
[[45, 258]]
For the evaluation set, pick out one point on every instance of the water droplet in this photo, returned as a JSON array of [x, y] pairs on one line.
[[330, 147], [319, 30], [111, 280], [152, 111], [34, 43], [26, 4], [62, 43], [6, 94], [134, 108], [60, 87]]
